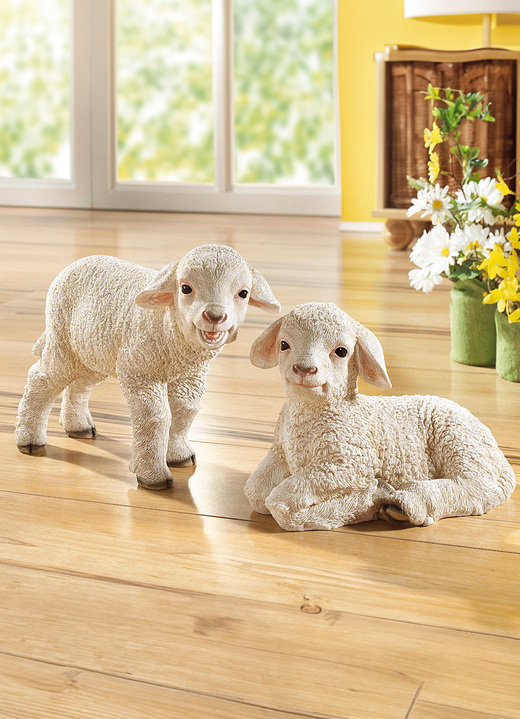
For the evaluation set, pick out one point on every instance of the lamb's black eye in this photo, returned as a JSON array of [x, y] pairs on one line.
[[341, 351], [243, 294], [284, 345], [186, 289]]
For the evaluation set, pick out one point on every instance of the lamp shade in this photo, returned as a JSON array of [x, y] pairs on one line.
[[433, 8]]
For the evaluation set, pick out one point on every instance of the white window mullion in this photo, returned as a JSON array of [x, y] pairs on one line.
[[103, 102], [81, 111], [222, 92]]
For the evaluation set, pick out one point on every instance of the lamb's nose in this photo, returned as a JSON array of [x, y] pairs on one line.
[[304, 371], [213, 316]]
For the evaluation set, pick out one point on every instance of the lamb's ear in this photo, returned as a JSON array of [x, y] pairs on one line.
[[261, 294], [371, 360], [264, 350], [161, 293]]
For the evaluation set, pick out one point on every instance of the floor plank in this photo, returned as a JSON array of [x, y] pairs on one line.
[[476, 591], [318, 662], [116, 601], [424, 710], [40, 690]]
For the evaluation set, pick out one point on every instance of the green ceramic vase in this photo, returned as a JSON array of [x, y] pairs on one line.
[[473, 332], [508, 348]]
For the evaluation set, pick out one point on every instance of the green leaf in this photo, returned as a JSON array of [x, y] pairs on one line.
[[416, 184]]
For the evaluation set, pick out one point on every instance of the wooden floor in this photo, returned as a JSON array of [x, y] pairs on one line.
[[121, 603]]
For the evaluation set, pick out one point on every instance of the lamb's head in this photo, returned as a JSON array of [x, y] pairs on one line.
[[321, 351], [208, 292]]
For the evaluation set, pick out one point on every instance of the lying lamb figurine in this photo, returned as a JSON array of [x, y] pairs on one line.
[[158, 331], [340, 457]]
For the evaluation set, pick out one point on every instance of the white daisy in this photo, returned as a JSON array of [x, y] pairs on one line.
[[497, 238], [485, 190], [432, 200], [424, 279], [433, 250], [469, 235]]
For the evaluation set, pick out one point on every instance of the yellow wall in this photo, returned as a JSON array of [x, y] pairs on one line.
[[365, 27]]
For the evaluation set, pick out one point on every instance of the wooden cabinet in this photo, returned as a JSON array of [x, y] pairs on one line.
[[403, 75]]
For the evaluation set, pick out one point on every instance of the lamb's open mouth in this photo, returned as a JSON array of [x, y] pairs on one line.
[[213, 339]]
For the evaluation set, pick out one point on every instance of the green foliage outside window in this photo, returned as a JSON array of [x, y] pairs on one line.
[[164, 90], [283, 90], [34, 88]]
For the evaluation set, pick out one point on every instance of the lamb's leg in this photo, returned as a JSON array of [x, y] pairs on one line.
[[353, 508], [346, 505], [184, 404], [75, 416], [425, 502], [44, 383], [150, 414], [270, 472]]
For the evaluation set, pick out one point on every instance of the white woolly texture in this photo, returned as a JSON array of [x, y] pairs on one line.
[[340, 457], [156, 330]]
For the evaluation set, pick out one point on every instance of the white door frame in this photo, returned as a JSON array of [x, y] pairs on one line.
[[76, 192]]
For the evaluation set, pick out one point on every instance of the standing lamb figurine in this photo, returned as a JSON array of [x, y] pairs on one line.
[[156, 330], [340, 457]]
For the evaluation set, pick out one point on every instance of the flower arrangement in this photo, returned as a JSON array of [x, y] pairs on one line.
[[474, 235]]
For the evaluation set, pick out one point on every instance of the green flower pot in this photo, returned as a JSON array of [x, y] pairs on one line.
[[473, 333], [508, 348]]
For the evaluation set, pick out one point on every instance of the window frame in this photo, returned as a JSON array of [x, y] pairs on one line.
[[94, 142]]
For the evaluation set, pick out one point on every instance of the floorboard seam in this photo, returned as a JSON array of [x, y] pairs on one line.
[[244, 600], [222, 697], [268, 525], [412, 704]]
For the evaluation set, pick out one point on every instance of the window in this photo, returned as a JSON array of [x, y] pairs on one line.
[[44, 103], [284, 92], [34, 82], [188, 105], [164, 78]]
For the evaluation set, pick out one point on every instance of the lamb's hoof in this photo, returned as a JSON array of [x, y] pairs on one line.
[[31, 448], [83, 434], [390, 512], [184, 462], [155, 486]]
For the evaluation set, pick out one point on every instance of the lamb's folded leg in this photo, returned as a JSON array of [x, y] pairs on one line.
[[425, 502], [150, 414], [320, 499], [270, 472]]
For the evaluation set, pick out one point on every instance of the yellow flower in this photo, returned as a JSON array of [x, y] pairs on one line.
[[433, 167], [434, 95], [472, 247], [516, 218], [506, 290], [432, 137], [514, 238], [502, 187], [494, 263], [514, 316], [510, 267]]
